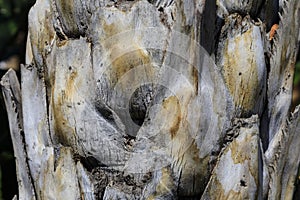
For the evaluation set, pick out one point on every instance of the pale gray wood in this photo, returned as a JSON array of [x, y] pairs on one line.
[[34, 109], [157, 99], [58, 178], [283, 158], [12, 97], [85, 183], [77, 117], [113, 193], [282, 63], [291, 168], [241, 59], [234, 177]]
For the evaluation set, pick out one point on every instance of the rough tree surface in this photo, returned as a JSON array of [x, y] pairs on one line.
[[157, 99]]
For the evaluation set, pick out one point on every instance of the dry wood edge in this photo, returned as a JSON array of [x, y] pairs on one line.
[[66, 181], [12, 97]]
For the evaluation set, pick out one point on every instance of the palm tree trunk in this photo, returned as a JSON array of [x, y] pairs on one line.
[[160, 99]]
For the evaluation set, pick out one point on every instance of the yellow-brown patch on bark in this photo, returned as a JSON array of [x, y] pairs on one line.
[[46, 36], [110, 29], [63, 130], [196, 79], [70, 85], [240, 151], [166, 182], [172, 105], [194, 152], [125, 62], [60, 43], [240, 72], [125, 52], [174, 128]]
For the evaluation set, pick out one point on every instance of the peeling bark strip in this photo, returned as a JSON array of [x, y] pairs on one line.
[[13, 101], [120, 100], [235, 175]]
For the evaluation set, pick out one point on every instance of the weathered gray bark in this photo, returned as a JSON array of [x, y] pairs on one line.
[[163, 99]]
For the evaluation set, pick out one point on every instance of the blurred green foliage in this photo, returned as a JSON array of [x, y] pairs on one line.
[[13, 30], [13, 20], [8, 25]]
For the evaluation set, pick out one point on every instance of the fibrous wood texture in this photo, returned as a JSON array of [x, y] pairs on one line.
[[163, 99]]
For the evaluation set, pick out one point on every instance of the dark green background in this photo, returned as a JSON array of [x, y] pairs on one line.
[[13, 31]]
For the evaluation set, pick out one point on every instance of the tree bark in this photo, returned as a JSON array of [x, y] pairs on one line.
[[160, 99]]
